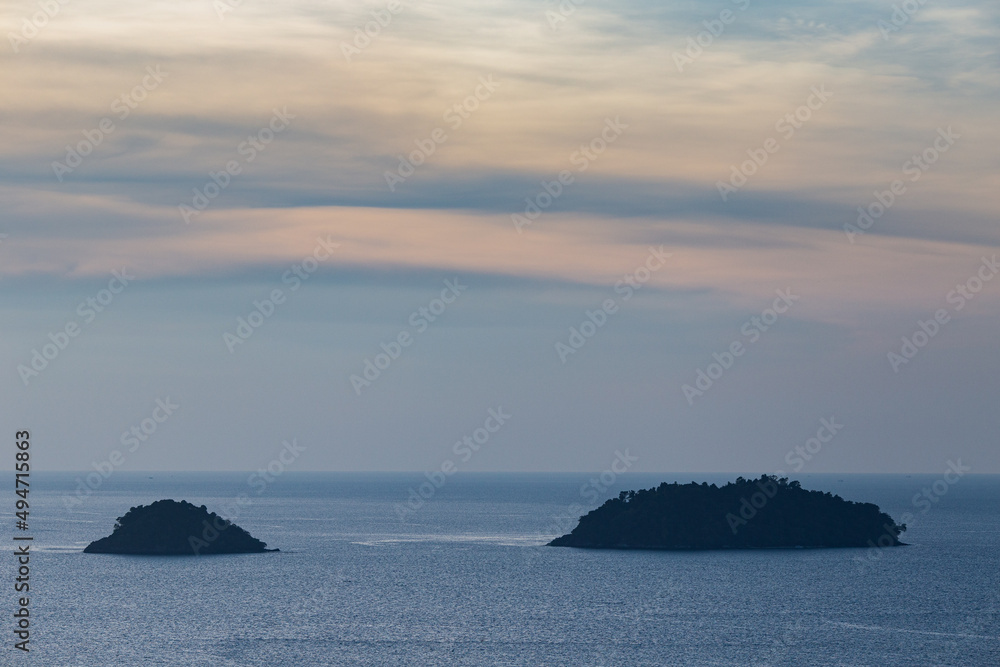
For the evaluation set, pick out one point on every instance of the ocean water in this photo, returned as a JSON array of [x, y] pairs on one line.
[[465, 580]]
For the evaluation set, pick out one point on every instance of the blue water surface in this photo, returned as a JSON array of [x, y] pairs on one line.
[[464, 579]]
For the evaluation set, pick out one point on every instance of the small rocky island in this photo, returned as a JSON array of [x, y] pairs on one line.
[[171, 528], [769, 512]]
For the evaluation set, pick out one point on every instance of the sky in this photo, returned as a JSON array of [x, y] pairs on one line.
[[706, 236]]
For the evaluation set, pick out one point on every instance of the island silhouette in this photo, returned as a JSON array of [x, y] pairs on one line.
[[175, 528], [769, 512]]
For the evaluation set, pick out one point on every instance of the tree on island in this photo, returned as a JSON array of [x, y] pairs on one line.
[[765, 512], [172, 528]]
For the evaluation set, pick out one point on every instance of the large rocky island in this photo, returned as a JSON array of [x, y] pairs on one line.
[[171, 528], [769, 512]]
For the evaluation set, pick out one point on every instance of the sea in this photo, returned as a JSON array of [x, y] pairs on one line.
[[398, 569]]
